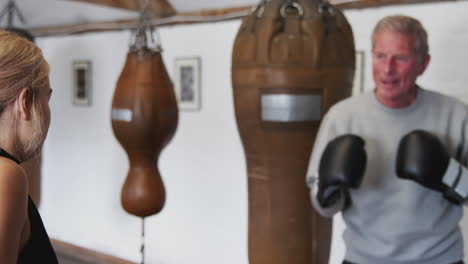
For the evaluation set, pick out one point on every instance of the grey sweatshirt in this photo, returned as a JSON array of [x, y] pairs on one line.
[[391, 220]]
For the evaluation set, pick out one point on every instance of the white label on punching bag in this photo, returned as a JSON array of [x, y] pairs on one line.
[[121, 115], [291, 107]]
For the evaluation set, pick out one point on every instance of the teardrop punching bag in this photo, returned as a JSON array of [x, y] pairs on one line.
[[291, 61], [144, 119]]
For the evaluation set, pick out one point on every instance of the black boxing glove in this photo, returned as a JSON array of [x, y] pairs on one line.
[[423, 158], [341, 166]]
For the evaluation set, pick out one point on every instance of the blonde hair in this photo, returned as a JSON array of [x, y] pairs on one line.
[[22, 66], [405, 25]]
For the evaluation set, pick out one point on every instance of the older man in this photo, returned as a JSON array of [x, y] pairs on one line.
[[393, 160]]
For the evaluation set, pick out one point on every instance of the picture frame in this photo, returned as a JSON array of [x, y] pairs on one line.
[[82, 83], [187, 83], [358, 83]]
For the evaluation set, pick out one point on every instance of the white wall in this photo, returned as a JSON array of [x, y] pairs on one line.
[[205, 218]]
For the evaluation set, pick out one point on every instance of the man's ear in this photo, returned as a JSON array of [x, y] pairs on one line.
[[424, 63], [24, 104]]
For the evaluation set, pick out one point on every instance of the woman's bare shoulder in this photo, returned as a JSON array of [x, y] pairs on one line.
[[13, 179], [13, 209]]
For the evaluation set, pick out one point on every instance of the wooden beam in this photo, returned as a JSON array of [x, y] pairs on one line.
[[181, 18], [355, 4], [69, 253], [159, 8], [204, 16]]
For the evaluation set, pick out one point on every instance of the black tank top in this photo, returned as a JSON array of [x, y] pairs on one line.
[[38, 249]]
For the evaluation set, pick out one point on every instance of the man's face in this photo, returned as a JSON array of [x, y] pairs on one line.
[[395, 67]]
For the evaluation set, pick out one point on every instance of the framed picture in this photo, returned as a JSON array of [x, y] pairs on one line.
[[358, 84], [187, 83], [82, 83]]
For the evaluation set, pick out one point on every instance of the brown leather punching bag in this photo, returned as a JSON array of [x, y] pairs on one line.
[[144, 119], [291, 61]]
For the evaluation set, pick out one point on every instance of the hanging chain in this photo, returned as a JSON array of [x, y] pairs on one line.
[[143, 25], [10, 10], [142, 248], [144, 32]]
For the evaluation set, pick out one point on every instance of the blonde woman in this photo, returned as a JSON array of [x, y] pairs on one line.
[[24, 122]]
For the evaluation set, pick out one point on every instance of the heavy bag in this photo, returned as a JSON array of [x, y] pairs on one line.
[[291, 61], [144, 119]]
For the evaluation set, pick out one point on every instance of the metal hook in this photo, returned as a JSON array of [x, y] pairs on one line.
[[260, 8], [294, 4], [326, 7]]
